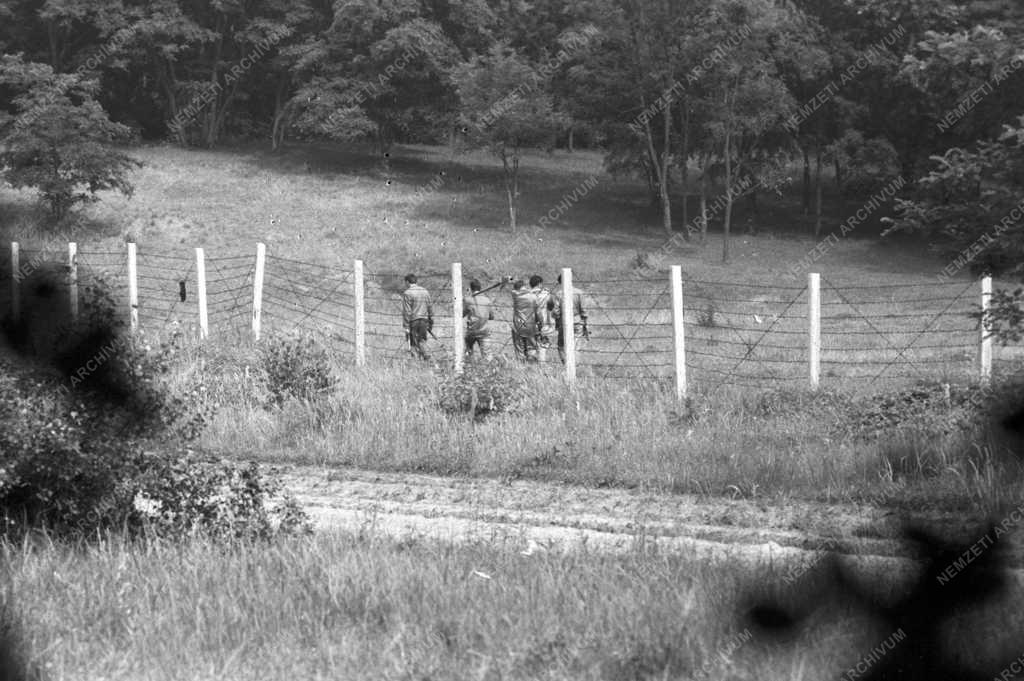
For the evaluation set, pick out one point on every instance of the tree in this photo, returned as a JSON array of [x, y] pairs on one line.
[[56, 137], [747, 98], [377, 70], [971, 206], [505, 107]]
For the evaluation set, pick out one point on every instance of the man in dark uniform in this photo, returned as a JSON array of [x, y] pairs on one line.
[[417, 316], [477, 311], [524, 322], [579, 317], [545, 320]]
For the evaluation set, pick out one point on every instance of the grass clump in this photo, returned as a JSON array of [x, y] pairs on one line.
[[296, 367], [484, 388]]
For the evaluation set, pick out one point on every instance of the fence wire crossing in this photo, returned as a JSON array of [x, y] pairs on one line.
[[746, 334]]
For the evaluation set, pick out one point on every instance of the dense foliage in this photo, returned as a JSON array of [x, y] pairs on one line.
[[730, 88], [102, 440]]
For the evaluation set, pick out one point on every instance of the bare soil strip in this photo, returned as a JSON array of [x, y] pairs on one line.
[[542, 516]]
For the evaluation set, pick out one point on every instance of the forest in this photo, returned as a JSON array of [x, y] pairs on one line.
[[686, 95]]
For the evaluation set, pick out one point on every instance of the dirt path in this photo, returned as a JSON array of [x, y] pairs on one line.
[[539, 516]]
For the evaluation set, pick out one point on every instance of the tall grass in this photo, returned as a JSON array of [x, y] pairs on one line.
[[357, 608], [629, 433]]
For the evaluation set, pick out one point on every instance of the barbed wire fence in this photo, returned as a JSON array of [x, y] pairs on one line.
[[749, 335]]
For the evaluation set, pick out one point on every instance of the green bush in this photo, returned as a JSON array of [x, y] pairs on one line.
[[56, 471], [102, 444], [100, 360], [67, 467], [484, 388], [182, 496], [296, 367]]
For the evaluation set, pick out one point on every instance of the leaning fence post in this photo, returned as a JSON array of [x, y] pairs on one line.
[[133, 287], [568, 326], [15, 282], [985, 347], [814, 325], [73, 280], [359, 303], [678, 331], [458, 338], [257, 290], [204, 321]]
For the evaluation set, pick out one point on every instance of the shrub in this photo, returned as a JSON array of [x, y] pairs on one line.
[[296, 367], [484, 388], [102, 446], [102, 362], [66, 468], [182, 496]]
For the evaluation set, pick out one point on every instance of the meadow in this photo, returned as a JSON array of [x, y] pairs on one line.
[[366, 607], [317, 209]]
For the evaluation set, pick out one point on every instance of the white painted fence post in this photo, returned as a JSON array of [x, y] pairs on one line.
[[359, 303], [814, 326], [985, 347], [73, 280], [257, 290], [133, 287], [204, 321], [568, 327], [458, 337], [678, 330], [15, 282]]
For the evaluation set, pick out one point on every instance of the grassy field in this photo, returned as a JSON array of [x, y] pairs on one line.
[[319, 208], [362, 608]]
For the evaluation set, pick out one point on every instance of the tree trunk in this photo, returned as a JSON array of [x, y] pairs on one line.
[[660, 163], [817, 195], [807, 182], [839, 174], [277, 132], [727, 217], [572, 144], [704, 182], [511, 187], [684, 170], [752, 200], [727, 157], [51, 34], [165, 78], [210, 131]]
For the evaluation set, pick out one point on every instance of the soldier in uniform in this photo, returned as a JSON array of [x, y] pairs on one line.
[[417, 316], [524, 322], [545, 320], [477, 311], [579, 317]]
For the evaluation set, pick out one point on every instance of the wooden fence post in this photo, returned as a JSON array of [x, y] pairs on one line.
[[568, 326], [359, 305], [814, 326], [678, 330], [73, 280], [985, 341], [133, 287], [204, 321], [257, 290], [458, 337], [15, 282]]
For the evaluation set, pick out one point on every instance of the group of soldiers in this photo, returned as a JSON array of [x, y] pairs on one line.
[[536, 317]]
